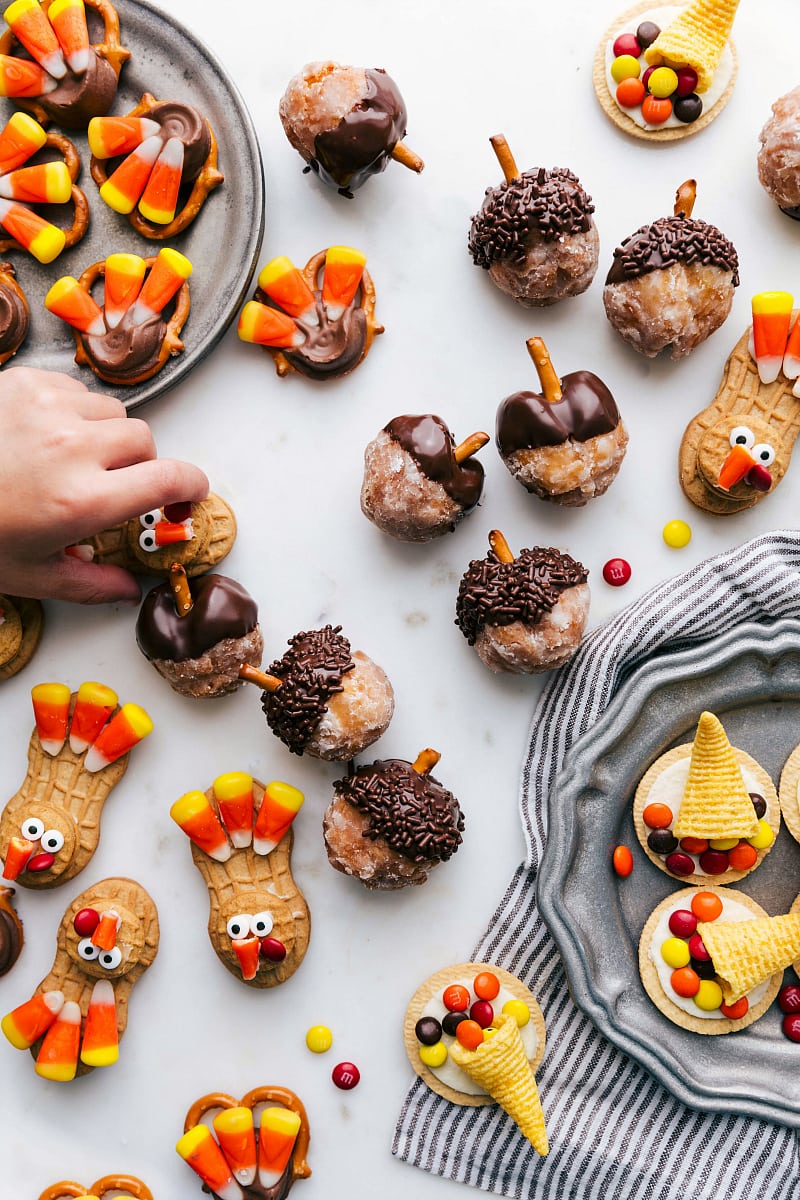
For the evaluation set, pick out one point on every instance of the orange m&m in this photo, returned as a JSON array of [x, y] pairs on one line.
[[706, 906]]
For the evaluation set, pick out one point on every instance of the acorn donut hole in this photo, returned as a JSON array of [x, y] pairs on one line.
[[779, 154]]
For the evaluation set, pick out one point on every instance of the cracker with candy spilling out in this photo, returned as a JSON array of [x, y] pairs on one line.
[[789, 792]]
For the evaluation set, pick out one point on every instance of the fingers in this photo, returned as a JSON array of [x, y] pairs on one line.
[[133, 490], [93, 406], [122, 441], [88, 583]]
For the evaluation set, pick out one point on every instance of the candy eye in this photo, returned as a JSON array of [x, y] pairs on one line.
[[110, 959], [52, 841], [742, 436], [32, 828], [239, 926], [261, 924], [764, 454], [149, 519], [87, 949], [147, 540]]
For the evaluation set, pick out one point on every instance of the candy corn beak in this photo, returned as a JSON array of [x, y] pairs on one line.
[[194, 814], [235, 1131], [203, 1155], [246, 951], [33, 30], [772, 314], [68, 18], [265, 326], [735, 467], [26, 1024], [20, 139], [18, 855], [124, 731], [105, 935], [58, 1056], [276, 1138], [280, 806], [166, 533]]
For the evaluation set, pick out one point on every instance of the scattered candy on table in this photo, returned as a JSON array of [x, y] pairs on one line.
[[677, 534], [623, 861], [319, 1039], [345, 1075], [617, 572]]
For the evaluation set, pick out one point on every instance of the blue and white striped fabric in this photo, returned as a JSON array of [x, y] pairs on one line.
[[614, 1131]]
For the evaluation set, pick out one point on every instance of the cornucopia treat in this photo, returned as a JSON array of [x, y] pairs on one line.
[[320, 321], [11, 935], [121, 1187], [475, 1034], [68, 77], [712, 960], [391, 822], [73, 1023], [525, 614], [736, 451], [156, 165], [671, 283], [789, 794], [325, 699], [567, 443], [706, 812], [258, 1146], [202, 635], [138, 328], [418, 484], [346, 123], [779, 154], [535, 233], [14, 313], [50, 828], [241, 836], [21, 626], [664, 72]]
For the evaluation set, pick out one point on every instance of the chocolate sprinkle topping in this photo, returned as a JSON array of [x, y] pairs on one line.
[[498, 593], [413, 813], [311, 672], [552, 203], [670, 240]]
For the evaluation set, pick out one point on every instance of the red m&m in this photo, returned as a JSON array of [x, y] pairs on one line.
[[345, 1075]]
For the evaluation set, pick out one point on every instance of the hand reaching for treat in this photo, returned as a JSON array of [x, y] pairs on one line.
[[71, 463]]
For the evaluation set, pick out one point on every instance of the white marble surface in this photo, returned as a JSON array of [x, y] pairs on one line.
[[287, 454]]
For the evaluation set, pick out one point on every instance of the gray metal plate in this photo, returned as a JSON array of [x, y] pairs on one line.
[[222, 243], [750, 677]]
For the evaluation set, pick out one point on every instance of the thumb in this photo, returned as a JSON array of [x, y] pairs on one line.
[[89, 583]]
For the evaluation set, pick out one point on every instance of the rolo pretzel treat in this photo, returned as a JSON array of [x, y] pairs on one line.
[[156, 165], [779, 154], [50, 829], [567, 443], [671, 283], [258, 1146], [346, 123], [706, 812], [14, 313], [475, 1034], [535, 233], [120, 1187], [321, 328], [391, 822], [525, 614], [11, 935], [75, 59], [326, 700], [418, 484], [132, 336], [107, 939], [21, 626], [200, 634]]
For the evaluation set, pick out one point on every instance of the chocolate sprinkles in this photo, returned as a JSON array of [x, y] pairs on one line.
[[498, 593], [413, 813], [671, 240], [311, 672], [550, 203]]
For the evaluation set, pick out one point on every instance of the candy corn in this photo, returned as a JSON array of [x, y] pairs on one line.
[[68, 18], [280, 806], [26, 1024], [234, 795], [58, 1055], [100, 1045], [284, 284], [160, 197], [41, 239], [169, 272], [20, 139], [94, 705], [735, 467], [124, 731], [17, 857], [166, 533], [73, 304], [276, 1138], [105, 934], [123, 282], [237, 1139], [19, 78], [791, 357], [246, 951], [201, 1152], [268, 327], [344, 267], [47, 183], [123, 188], [772, 313], [32, 28], [201, 824], [110, 137], [51, 710]]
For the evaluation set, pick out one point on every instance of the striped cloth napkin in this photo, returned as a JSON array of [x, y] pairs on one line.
[[614, 1131]]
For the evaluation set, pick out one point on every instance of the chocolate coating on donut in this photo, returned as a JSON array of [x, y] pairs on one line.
[[413, 813], [498, 593], [221, 609], [431, 444], [128, 350], [186, 123], [587, 409], [670, 240], [11, 936], [551, 202], [14, 318], [362, 143], [311, 672]]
